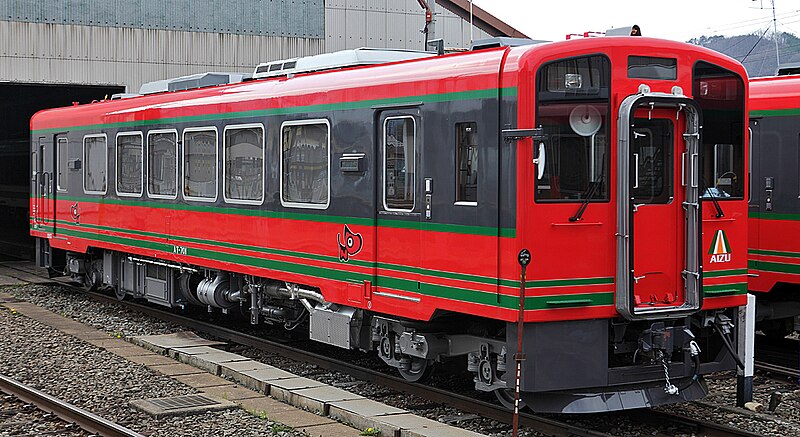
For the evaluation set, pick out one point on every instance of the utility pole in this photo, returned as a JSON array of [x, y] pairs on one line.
[[471, 26], [775, 27], [430, 26]]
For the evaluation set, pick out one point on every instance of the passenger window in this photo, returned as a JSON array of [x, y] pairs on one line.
[[467, 163], [305, 164], [243, 155], [63, 164], [572, 107], [162, 164], [129, 164], [399, 147], [200, 164], [95, 158]]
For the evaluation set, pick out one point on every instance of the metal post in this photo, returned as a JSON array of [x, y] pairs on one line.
[[524, 259], [746, 333]]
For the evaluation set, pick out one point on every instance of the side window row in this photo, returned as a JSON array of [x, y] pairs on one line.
[[304, 164]]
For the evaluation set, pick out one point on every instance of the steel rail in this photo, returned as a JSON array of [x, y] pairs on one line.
[[780, 370], [699, 427], [86, 420], [436, 395]]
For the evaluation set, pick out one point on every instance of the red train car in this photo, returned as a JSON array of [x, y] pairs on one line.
[[383, 207], [774, 203]]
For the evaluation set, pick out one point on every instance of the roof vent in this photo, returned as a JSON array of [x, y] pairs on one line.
[[119, 96], [192, 81], [502, 41], [336, 60], [788, 69]]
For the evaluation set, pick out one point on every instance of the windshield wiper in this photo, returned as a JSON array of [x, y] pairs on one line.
[[588, 194], [590, 191], [720, 214]]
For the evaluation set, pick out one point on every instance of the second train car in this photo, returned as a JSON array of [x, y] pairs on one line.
[[775, 203]]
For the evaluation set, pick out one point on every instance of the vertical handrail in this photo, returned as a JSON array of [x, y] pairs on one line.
[[524, 258]]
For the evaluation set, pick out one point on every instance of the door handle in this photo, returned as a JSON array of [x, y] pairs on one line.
[[636, 206], [636, 278], [636, 171]]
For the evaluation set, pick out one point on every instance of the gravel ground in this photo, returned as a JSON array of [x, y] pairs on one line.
[[103, 383], [717, 407], [18, 418]]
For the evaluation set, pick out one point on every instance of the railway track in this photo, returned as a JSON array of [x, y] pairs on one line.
[[778, 357], [544, 425], [86, 420]]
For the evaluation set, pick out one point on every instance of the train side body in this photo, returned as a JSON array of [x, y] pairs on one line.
[[384, 207]]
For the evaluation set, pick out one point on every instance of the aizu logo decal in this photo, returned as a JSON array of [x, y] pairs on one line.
[[349, 245], [720, 249]]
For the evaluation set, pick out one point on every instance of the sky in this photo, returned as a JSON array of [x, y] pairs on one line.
[[678, 20]]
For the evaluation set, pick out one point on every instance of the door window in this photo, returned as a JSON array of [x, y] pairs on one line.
[[63, 164], [652, 161], [399, 161]]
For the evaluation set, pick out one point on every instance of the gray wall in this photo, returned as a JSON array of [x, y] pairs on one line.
[[390, 23], [298, 18], [129, 42]]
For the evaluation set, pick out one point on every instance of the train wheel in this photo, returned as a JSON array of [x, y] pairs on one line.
[[506, 398], [91, 280], [418, 370], [119, 293]]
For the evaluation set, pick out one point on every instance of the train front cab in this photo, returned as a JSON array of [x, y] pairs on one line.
[[636, 192]]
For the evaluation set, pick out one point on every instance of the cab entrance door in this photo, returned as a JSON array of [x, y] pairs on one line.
[[658, 219], [658, 207]]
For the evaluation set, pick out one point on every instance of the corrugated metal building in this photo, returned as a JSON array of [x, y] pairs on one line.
[[56, 52], [128, 42]]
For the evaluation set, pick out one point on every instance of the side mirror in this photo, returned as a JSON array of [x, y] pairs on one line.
[[540, 161]]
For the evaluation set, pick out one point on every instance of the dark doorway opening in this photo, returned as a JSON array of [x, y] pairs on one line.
[[18, 102]]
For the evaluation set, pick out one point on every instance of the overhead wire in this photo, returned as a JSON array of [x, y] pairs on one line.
[[754, 45]]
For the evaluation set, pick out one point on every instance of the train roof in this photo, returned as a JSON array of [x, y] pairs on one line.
[[774, 93], [458, 75]]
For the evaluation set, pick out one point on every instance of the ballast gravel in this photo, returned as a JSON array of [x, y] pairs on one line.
[[96, 380], [717, 407]]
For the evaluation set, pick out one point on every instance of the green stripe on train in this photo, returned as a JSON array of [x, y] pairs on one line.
[[773, 216], [324, 258], [725, 289], [320, 218], [436, 290], [775, 112], [719, 273], [773, 253], [289, 110], [774, 267]]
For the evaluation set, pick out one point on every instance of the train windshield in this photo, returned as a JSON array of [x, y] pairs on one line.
[[572, 108], [720, 95]]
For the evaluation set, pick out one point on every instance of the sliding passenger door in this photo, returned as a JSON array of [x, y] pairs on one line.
[[43, 190], [400, 207]]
